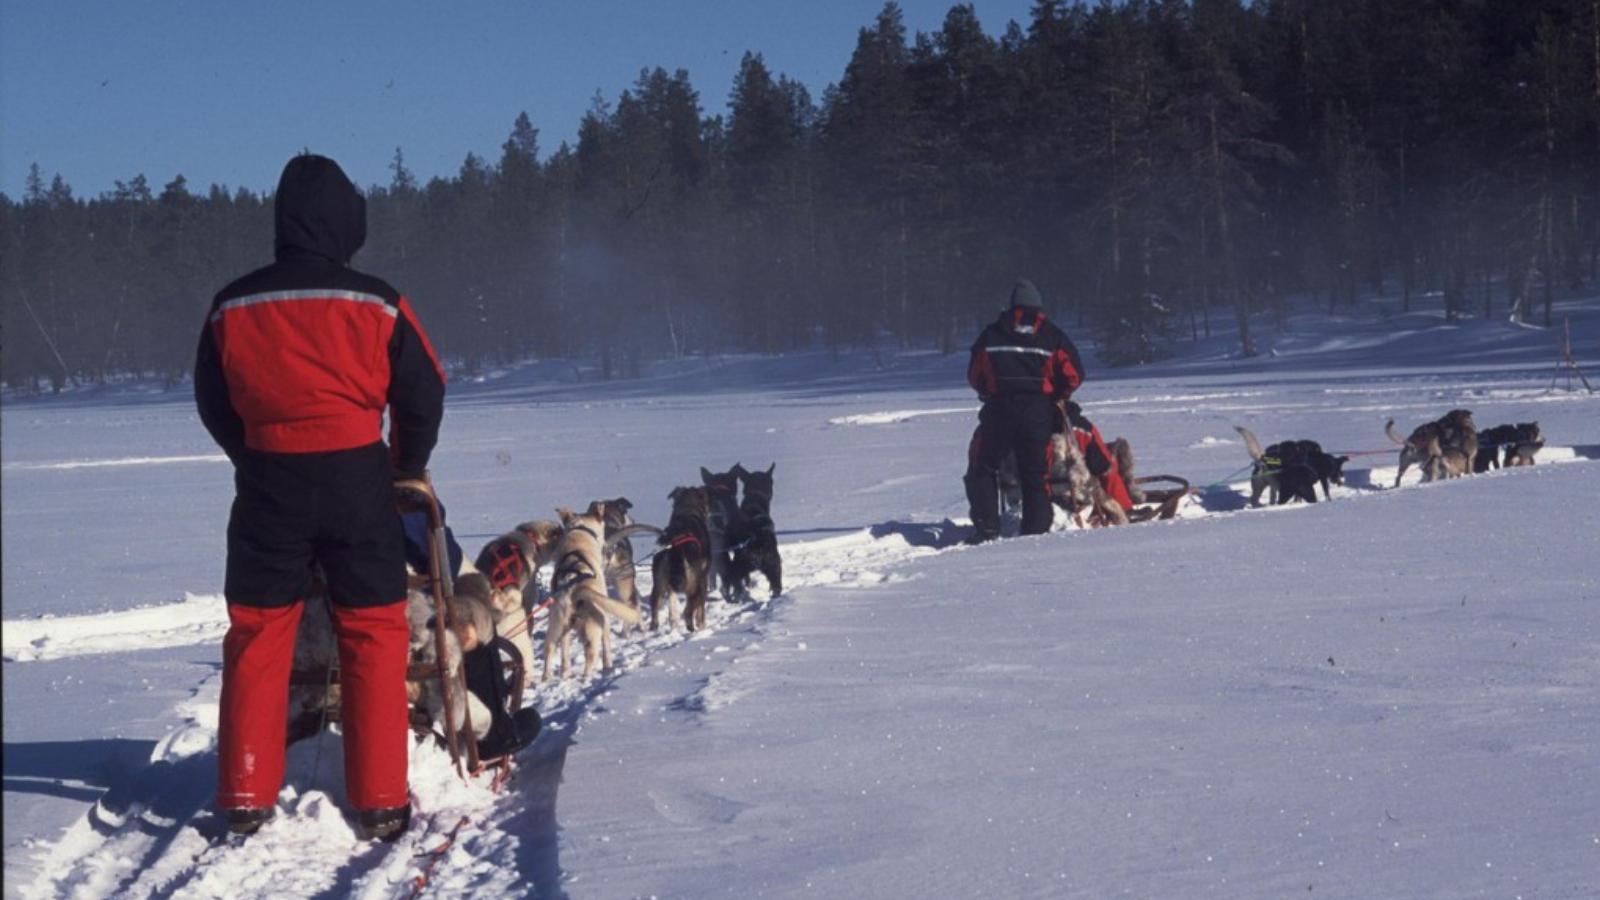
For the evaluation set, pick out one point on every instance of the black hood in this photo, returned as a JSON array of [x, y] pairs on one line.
[[1022, 319], [318, 211]]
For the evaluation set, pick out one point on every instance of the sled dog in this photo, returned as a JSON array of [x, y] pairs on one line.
[[1529, 440], [1291, 470], [756, 539], [1454, 431], [508, 564], [545, 535], [722, 490], [619, 556], [1507, 445], [578, 593], [1448, 462], [682, 564]]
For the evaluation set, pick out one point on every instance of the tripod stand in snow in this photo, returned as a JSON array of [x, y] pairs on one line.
[[1565, 364]]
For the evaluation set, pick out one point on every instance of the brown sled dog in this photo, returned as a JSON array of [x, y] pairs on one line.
[[682, 565], [578, 593], [1449, 462], [545, 535], [1453, 431]]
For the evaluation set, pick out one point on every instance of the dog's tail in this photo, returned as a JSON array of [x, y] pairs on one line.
[[610, 607], [628, 531], [1388, 428], [1250, 442]]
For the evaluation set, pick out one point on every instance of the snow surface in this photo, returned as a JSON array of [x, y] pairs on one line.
[[1396, 694]]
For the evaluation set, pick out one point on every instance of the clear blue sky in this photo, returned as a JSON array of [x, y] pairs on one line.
[[224, 91]]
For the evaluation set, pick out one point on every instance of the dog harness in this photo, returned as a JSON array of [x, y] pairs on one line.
[[507, 566], [573, 569]]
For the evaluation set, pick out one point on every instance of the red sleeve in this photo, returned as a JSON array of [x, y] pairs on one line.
[[1067, 376]]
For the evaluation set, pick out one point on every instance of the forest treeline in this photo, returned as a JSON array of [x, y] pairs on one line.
[[1151, 164]]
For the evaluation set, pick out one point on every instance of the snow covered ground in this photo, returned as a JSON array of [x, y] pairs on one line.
[[1396, 694]]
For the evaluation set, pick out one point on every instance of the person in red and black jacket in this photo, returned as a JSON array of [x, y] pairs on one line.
[[296, 365], [1021, 364]]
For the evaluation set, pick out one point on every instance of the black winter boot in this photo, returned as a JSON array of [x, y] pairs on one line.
[[385, 824], [248, 819]]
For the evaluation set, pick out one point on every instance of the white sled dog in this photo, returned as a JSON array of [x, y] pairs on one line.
[[578, 592]]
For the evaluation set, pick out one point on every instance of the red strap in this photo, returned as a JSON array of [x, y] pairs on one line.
[[508, 566]]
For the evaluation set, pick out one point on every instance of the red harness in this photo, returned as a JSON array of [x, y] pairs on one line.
[[507, 567], [682, 540]]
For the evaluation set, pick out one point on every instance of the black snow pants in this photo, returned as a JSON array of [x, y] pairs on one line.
[[1014, 423], [335, 508]]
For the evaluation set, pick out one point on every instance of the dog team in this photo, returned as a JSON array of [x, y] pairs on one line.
[[1448, 447], [713, 539]]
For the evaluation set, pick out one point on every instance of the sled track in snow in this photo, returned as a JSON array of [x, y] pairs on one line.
[[155, 837]]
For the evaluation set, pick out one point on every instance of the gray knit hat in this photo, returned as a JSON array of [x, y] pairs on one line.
[[1023, 293]]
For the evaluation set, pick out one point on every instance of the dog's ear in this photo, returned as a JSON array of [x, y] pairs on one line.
[[673, 494], [738, 471], [772, 468], [622, 503], [564, 514], [597, 509], [706, 475]]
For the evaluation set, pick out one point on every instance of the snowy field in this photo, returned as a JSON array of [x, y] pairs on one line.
[[1395, 694]]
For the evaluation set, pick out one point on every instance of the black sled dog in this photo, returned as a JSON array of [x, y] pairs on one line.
[[722, 493], [1291, 470], [1519, 442], [755, 542]]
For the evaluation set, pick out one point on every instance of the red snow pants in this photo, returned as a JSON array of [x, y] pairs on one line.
[[294, 512], [256, 658]]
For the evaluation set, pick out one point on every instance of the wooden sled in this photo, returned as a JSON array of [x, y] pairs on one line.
[[418, 495]]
